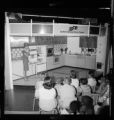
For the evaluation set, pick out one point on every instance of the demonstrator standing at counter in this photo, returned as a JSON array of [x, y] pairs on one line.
[[25, 61]]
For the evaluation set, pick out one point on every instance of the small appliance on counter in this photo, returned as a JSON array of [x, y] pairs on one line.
[[50, 52]]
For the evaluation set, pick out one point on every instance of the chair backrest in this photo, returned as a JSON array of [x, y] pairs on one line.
[[95, 98], [54, 111]]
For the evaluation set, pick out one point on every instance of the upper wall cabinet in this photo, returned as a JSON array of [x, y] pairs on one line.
[[88, 42], [23, 29], [60, 40], [44, 40], [94, 30]]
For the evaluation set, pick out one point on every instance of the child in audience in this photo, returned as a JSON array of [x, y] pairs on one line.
[[74, 79], [86, 105], [92, 81], [40, 81], [84, 88], [73, 108], [59, 83]]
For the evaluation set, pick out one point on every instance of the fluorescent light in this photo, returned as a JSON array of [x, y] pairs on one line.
[[105, 8]]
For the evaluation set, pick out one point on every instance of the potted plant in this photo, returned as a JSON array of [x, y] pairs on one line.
[[61, 50], [66, 50]]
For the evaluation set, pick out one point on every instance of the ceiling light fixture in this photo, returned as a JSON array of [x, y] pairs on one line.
[[105, 8]]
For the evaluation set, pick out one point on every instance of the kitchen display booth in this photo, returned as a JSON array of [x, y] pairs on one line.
[[53, 45], [32, 63]]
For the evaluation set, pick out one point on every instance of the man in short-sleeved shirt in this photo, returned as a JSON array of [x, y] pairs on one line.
[[67, 94]]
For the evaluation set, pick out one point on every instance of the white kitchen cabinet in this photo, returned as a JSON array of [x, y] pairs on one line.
[[81, 61], [41, 67], [59, 63], [31, 70], [17, 69], [90, 62], [74, 60], [51, 64]]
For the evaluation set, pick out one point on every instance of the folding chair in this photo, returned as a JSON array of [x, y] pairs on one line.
[[34, 99], [95, 98], [54, 111]]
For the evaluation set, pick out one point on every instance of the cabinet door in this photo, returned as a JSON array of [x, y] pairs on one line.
[[50, 63], [31, 70], [90, 62], [41, 67], [80, 61]]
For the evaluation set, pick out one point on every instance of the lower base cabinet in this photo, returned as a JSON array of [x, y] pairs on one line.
[[41, 67]]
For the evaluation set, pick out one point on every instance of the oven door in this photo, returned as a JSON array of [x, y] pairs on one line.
[[56, 59]]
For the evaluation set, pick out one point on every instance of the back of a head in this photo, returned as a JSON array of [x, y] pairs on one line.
[[67, 80], [92, 73], [105, 110], [75, 106], [47, 83], [87, 105], [43, 73], [73, 74], [87, 100], [83, 81], [60, 80], [47, 78]]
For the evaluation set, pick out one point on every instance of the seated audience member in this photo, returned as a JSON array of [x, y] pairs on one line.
[[73, 108], [47, 96], [104, 110], [104, 92], [84, 88], [67, 94], [59, 83], [72, 74], [86, 105], [40, 81], [92, 81], [98, 79], [53, 81], [97, 107], [74, 79]]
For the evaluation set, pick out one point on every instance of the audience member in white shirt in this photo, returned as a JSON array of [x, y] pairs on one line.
[[67, 94], [40, 80], [92, 81], [74, 79], [59, 83], [47, 96]]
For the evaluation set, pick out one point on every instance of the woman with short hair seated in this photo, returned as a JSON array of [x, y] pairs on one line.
[[47, 96]]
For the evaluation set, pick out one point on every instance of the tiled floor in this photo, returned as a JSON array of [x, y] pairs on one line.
[[21, 98]]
